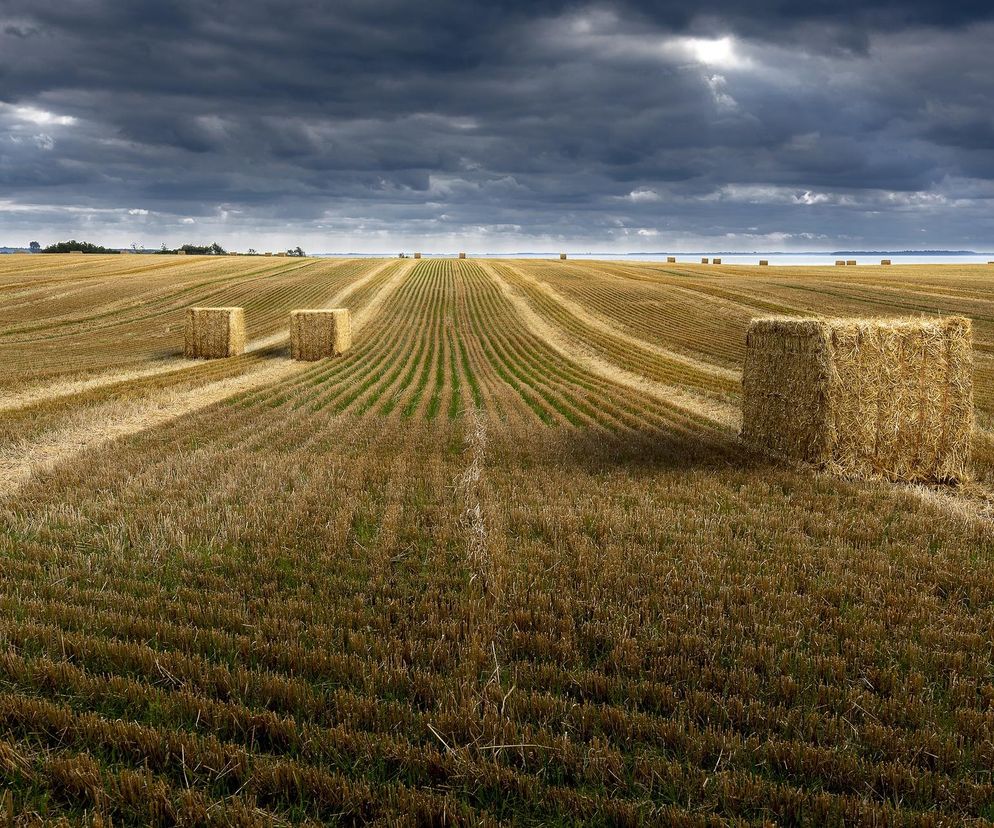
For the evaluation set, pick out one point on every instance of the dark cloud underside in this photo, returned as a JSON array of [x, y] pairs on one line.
[[372, 125]]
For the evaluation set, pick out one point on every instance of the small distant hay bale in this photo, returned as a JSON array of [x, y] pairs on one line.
[[885, 261], [562, 257], [214, 333], [316, 334], [671, 259], [417, 255], [862, 398], [764, 262], [462, 255], [850, 262], [75, 252], [704, 261], [267, 254], [716, 261], [840, 262], [180, 252]]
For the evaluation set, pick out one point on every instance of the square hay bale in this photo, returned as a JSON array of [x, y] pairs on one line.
[[417, 255], [180, 252], [562, 257], [885, 261], [716, 261], [214, 333], [671, 259], [462, 255], [75, 252], [316, 334], [862, 398], [704, 261], [840, 262], [850, 262], [764, 262]]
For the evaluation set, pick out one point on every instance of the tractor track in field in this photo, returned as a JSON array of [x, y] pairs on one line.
[[101, 424], [598, 323], [722, 415]]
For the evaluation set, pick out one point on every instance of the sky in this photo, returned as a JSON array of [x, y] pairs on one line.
[[498, 126]]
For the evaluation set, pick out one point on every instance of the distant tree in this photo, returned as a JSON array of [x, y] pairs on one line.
[[34, 247], [297, 251], [136, 246], [401, 255], [69, 246], [251, 251]]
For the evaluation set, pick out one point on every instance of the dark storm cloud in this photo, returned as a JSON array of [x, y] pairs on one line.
[[618, 123]]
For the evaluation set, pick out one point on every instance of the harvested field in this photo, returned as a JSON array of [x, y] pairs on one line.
[[504, 561]]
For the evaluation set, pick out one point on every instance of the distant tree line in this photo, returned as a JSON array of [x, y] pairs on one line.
[[213, 249], [70, 246]]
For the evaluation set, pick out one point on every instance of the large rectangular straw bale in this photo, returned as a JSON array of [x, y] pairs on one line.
[[840, 262], [562, 257], [763, 262], [316, 334], [417, 255], [862, 398], [462, 255], [850, 262], [75, 252], [885, 261], [214, 333], [671, 259], [716, 261], [704, 261]]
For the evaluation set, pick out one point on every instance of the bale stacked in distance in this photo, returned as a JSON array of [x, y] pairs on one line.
[[885, 261], [462, 255], [716, 261], [862, 398], [562, 256], [417, 255], [214, 333], [316, 334], [75, 252], [180, 252], [763, 262], [850, 261], [704, 261], [840, 262], [671, 259]]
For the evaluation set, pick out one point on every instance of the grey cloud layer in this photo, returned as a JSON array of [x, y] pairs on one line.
[[515, 125]]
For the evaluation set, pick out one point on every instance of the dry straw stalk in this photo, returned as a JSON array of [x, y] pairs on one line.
[[214, 333], [862, 398], [317, 334]]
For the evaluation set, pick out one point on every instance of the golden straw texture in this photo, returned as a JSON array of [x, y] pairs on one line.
[[316, 334], [863, 398], [214, 333]]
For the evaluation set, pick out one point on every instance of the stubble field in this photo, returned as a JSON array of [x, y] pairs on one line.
[[505, 562]]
